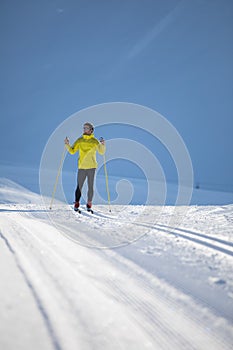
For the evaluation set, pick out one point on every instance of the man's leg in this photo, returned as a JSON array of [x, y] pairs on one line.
[[80, 181], [90, 182]]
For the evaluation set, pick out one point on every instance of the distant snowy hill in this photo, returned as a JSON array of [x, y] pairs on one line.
[[10, 192], [168, 284], [28, 178]]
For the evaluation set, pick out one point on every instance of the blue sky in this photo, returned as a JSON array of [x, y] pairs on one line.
[[175, 57]]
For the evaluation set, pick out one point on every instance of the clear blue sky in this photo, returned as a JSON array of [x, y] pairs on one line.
[[58, 57]]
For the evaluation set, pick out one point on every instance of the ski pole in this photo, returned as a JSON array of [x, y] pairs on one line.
[[106, 180], [58, 174]]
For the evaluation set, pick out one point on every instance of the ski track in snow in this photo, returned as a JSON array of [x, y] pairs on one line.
[[144, 303], [203, 239], [115, 298]]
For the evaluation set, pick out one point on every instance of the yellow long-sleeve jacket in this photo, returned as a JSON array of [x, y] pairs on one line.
[[87, 145]]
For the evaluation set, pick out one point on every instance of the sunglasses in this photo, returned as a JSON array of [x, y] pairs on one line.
[[86, 128]]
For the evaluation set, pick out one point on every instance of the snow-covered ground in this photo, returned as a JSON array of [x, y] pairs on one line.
[[139, 277]]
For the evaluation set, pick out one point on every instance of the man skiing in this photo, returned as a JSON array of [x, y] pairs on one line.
[[87, 145]]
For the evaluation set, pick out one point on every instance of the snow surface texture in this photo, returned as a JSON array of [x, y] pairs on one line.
[[171, 289]]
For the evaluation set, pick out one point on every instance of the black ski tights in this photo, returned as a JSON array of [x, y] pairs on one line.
[[82, 175]]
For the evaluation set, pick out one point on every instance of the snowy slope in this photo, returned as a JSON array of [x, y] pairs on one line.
[[167, 285]]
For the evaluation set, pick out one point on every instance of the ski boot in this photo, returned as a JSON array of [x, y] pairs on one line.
[[89, 205]]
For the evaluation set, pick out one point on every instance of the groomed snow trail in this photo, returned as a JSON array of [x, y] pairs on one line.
[[125, 298]]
